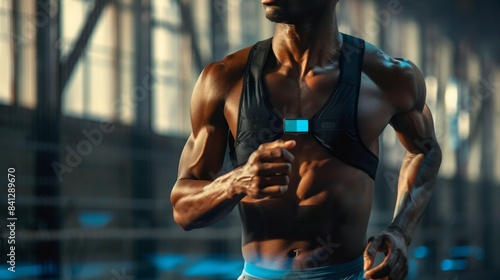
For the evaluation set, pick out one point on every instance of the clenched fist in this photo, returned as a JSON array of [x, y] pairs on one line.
[[267, 170]]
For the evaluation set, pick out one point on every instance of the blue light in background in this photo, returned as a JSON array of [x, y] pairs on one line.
[[449, 265], [412, 269], [22, 271], [467, 251], [95, 219], [421, 252], [168, 262], [88, 270], [222, 269]]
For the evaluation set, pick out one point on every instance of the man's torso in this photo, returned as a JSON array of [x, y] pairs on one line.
[[322, 218]]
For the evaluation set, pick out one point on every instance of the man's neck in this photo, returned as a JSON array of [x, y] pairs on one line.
[[308, 45]]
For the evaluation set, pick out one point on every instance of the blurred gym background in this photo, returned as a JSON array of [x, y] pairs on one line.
[[94, 113]]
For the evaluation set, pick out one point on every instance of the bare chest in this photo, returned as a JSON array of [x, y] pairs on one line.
[[291, 97]]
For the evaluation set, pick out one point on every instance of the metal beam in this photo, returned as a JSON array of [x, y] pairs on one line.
[[68, 65], [142, 183], [46, 129], [219, 38], [487, 168], [166, 25], [117, 81], [188, 28], [14, 89]]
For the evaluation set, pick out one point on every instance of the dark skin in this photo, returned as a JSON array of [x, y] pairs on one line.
[[293, 196]]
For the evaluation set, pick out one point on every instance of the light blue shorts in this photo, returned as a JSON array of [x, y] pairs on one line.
[[352, 270]]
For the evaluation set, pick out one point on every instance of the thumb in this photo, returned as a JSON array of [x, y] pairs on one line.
[[370, 253]]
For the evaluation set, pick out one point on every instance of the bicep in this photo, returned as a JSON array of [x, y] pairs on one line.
[[415, 126], [203, 155], [415, 129], [204, 151]]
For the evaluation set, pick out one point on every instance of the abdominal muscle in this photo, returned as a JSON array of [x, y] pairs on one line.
[[321, 220]]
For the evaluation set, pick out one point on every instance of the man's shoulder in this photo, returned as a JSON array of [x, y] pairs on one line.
[[215, 83], [376, 59], [397, 77], [228, 70], [218, 79]]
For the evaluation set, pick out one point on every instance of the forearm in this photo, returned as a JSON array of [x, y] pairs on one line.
[[415, 187], [199, 203]]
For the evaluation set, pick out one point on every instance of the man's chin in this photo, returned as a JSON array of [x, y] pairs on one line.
[[277, 16], [277, 19]]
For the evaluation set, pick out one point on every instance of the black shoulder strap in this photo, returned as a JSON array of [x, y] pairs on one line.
[[341, 104], [255, 113], [259, 57], [255, 62], [353, 50]]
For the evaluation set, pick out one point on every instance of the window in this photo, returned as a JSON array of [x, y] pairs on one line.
[[101, 85]]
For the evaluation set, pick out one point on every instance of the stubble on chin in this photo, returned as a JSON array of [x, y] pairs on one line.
[[277, 16]]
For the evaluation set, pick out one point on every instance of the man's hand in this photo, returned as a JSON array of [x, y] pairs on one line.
[[267, 171], [395, 264]]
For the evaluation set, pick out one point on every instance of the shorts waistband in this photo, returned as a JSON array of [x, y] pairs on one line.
[[325, 272]]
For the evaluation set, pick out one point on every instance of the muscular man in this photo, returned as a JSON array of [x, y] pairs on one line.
[[302, 113]]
